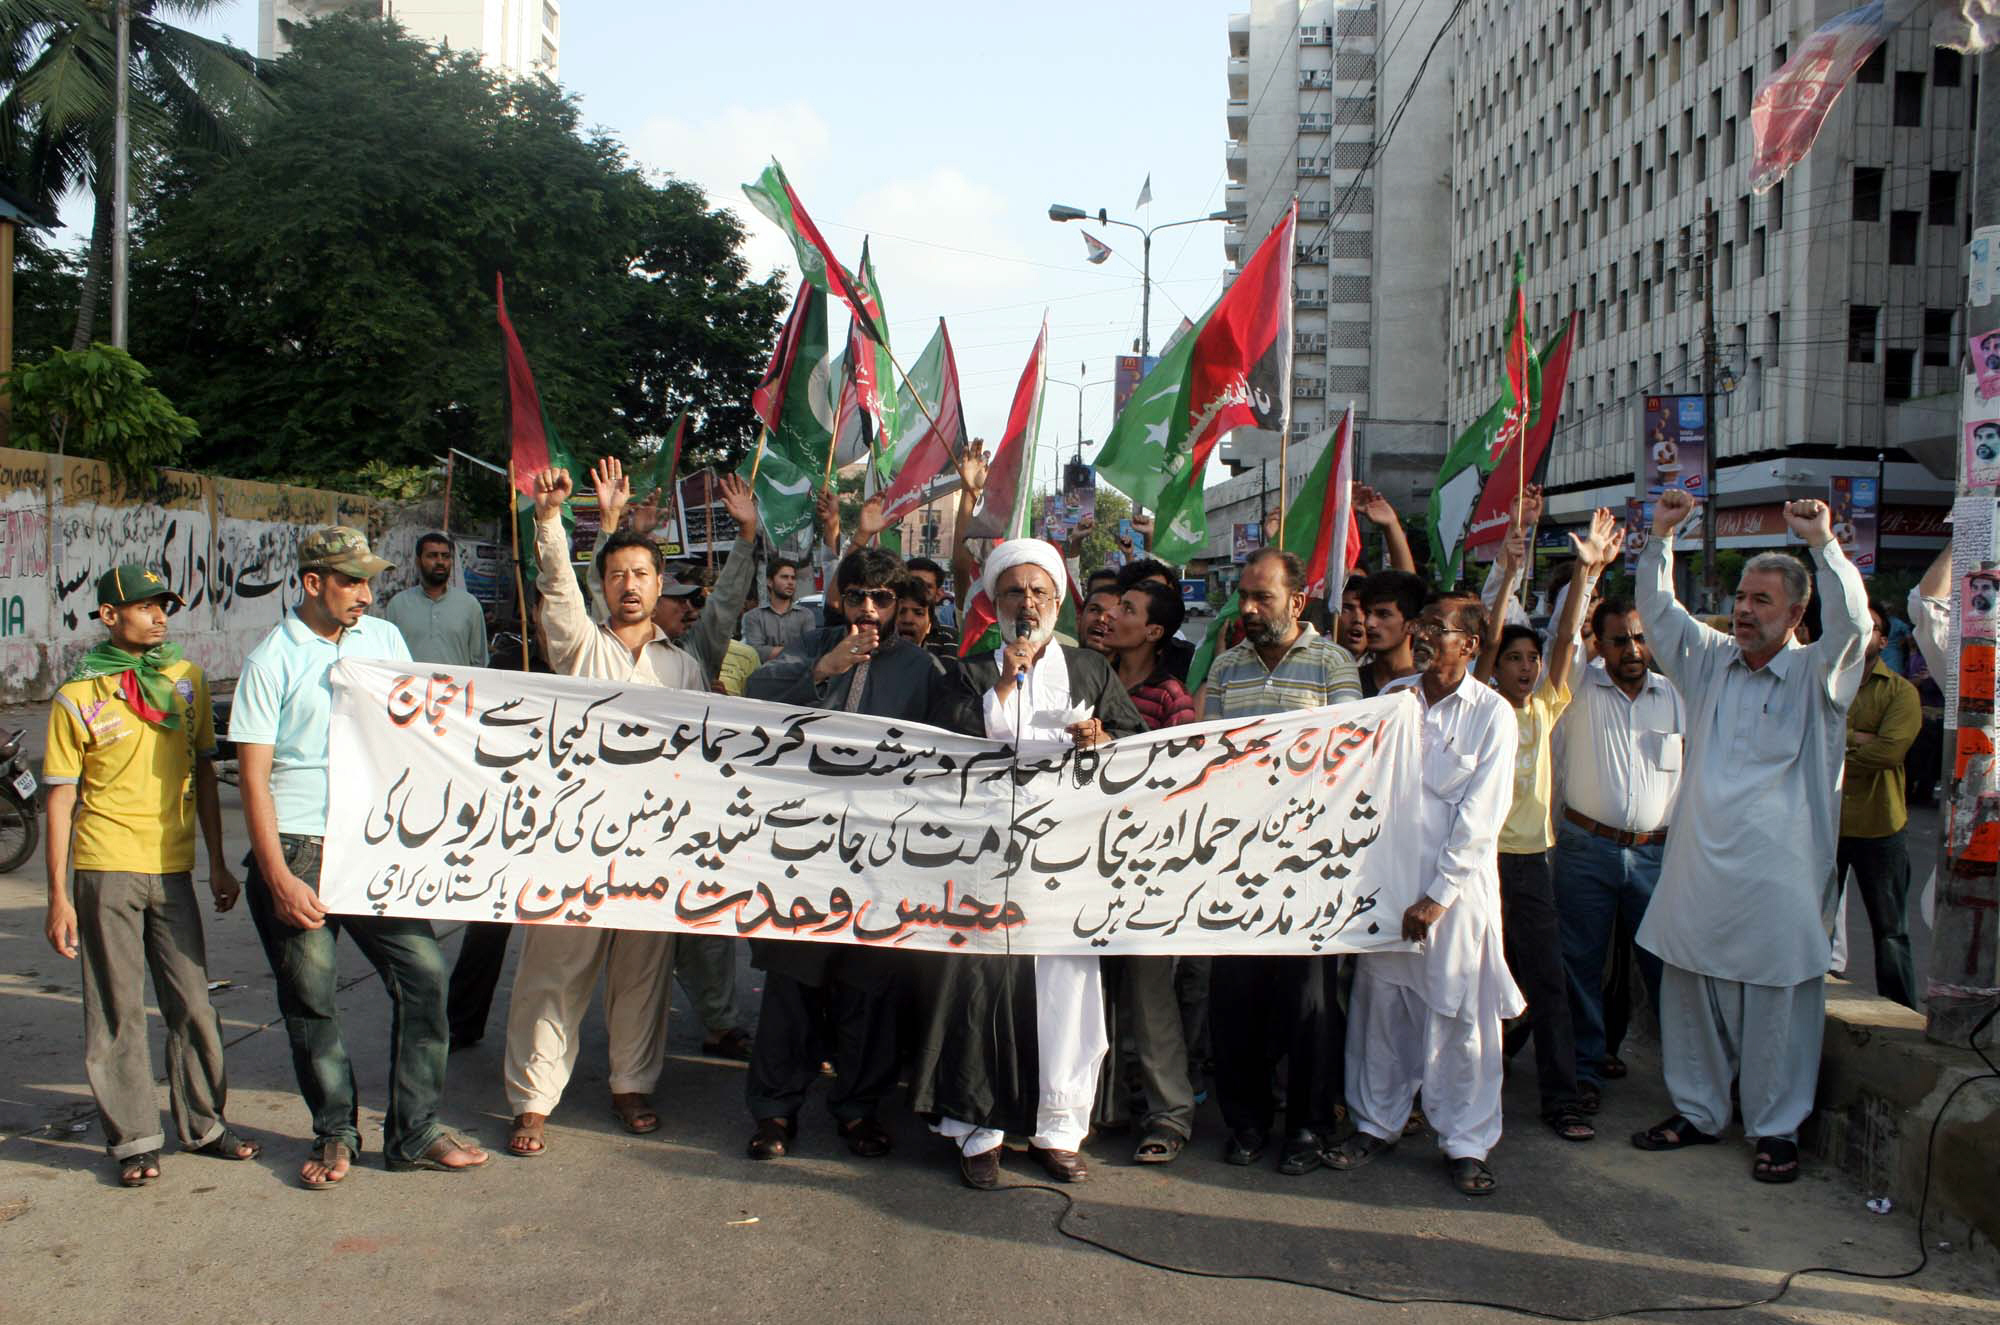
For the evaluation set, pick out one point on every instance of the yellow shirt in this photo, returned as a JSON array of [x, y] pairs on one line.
[[737, 663], [135, 781], [1527, 829]]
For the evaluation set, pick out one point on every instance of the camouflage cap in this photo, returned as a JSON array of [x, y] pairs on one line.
[[338, 547], [133, 583]]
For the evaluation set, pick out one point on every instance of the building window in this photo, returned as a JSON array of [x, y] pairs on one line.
[[1903, 230], [1757, 255], [1867, 193], [1909, 113], [1937, 337], [1943, 208], [1899, 375], [1947, 67], [1774, 208], [1875, 66], [1861, 320]]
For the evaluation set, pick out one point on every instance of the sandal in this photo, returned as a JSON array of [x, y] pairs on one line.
[[866, 1138], [1471, 1176], [1357, 1150], [1416, 1124], [526, 1138], [228, 1145], [331, 1155], [1589, 1098], [1675, 1133], [139, 1170], [733, 1043], [1777, 1160], [433, 1157], [1570, 1124], [1612, 1068], [1161, 1145], [635, 1114]]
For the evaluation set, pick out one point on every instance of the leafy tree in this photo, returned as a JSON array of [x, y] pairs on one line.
[[58, 62], [96, 403], [328, 296]]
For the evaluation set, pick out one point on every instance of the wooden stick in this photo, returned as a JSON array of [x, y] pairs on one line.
[[708, 497], [520, 588], [445, 527]]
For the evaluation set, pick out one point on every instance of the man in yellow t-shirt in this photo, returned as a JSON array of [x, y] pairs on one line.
[[1539, 694], [128, 769]]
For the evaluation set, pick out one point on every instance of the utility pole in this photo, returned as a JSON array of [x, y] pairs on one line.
[[1710, 582], [1964, 985], [121, 176]]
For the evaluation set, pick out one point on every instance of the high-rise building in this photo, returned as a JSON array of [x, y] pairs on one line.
[[1330, 101], [1609, 145], [519, 37]]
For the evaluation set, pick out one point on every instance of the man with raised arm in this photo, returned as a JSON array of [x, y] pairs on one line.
[[1743, 913]]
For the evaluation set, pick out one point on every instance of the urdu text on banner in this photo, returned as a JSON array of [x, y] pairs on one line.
[[470, 794]]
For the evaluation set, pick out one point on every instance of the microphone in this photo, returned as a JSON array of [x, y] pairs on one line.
[[1024, 627]]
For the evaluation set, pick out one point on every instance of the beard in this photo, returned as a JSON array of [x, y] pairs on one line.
[[1025, 627], [1264, 631], [435, 578]]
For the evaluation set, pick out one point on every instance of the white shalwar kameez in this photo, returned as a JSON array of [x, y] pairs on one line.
[[1431, 1018], [1069, 995]]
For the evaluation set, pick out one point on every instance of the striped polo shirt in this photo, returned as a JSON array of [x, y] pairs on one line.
[[1314, 671]]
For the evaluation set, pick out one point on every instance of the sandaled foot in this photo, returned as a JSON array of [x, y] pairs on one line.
[[328, 1165], [733, 1043], [1159, 1146], [1357, 1150], [228, 1145], [1675, 1133], [1589, 1097], [1417, 1124], [866, 1138], [1612, 1067], [1471, 1176], [1777, 1160], [1303, 1153], [526, 1140], [447, 1154], [635, 1113], [139, 1170], [1569, 1123], [772, 1139]]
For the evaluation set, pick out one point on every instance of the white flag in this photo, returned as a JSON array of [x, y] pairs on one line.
[[1145, 192]]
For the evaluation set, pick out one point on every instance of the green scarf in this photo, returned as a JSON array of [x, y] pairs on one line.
[[144, 681]]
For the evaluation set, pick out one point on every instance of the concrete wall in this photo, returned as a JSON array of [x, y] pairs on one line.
[[229, 547]]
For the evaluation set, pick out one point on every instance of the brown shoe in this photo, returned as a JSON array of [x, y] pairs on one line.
[[982, 1171], [1062, 1165], [772, 1138]]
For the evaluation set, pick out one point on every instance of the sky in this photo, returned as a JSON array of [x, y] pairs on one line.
[[944, 132]]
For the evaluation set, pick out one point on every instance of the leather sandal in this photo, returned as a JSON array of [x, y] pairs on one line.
[[526, 1140], [772, 1139], [866, 1137], [634, 1113]]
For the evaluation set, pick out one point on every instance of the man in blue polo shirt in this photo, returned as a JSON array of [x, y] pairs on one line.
[[279, 723]]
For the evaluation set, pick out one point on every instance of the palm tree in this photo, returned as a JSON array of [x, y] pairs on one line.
[[58, 64]]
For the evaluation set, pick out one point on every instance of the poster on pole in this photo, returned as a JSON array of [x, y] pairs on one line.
[[469, 794], [1249, 536], [1673, 446], [1127, 371], [1856, 504], [1080, 488]]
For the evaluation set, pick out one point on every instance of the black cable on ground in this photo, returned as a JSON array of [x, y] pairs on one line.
[[1784, 1285]]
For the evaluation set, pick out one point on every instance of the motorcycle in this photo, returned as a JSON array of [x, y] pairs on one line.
[[20, 824]]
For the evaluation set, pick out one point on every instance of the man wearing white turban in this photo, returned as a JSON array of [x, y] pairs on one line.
[[1013, 1044]]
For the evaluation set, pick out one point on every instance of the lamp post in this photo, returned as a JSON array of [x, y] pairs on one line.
[[1082, 370], [121, 173], [1060, 212]]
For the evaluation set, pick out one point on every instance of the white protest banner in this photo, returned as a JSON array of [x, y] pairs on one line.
[[467, 794]]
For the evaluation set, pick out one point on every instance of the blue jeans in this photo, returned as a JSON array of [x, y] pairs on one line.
[[1595, 879], [405, 953]]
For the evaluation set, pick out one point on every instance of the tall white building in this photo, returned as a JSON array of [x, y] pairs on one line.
[[519, 37], [1610, 144], [1313, 87]]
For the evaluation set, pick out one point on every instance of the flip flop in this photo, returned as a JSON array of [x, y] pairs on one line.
[[132, 1169], [228, 1145], [432, 1158], [329, 1153], [1771, 1152], [1676, 1133]]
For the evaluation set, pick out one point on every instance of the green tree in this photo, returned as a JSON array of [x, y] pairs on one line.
[[328, 296], [96, 403], [58, 62]]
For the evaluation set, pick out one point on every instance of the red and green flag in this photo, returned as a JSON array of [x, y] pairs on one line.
[[1231, 370], [1521, 451], [918, 466], [1473, 457], [1319, 529], [1006, 507], [532, 444], [788, 463], [774, 196]]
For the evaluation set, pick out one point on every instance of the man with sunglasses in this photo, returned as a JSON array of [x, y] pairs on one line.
[[1618, 761], [832, 1002]]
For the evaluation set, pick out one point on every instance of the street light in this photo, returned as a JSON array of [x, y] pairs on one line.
[[1082, 370], [1060, 212]]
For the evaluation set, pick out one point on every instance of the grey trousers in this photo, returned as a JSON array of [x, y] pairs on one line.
[[129, 924], [1140, 994], [705, 966], [1765, 1038]]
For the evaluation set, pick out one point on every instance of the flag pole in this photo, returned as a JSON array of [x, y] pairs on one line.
[[1291, 358], [708, 495], [520, 589]]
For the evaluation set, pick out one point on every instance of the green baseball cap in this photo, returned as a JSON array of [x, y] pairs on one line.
[[338, 547], [133, 583]]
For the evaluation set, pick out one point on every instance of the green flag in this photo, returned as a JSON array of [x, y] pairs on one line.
[[784, 495], [1143, 455]]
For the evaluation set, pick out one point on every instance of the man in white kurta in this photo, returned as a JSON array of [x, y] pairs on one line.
[[1431, 1018], [1744, 907]]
